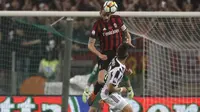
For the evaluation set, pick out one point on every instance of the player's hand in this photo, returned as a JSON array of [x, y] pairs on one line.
[[85, 95], [123, 90], [128, 41], [129, 71], [103, 57], [130, 93]]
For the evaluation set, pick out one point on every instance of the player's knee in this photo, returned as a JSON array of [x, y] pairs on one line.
[[101, 76], [127, 108], [92, 109], [100, 81]]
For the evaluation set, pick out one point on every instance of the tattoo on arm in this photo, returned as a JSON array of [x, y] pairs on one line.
[[91, 40], [126, 32]]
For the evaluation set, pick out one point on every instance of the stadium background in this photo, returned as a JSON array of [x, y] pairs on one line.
[[30, 37]]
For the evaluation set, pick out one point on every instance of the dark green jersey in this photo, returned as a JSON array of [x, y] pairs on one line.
[[94, 74]]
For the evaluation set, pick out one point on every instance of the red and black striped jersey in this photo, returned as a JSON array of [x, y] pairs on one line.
[[109, 33]]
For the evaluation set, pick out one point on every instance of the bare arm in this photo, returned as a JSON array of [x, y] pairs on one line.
[[92, 48], [113, 89], [128, 37]]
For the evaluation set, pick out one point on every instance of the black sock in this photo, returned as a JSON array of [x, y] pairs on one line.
[[97, 87]]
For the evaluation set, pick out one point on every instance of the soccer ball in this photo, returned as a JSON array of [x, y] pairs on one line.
[[110, 6]]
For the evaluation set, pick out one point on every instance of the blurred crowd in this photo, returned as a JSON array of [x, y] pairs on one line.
[[82, 26], [94, 5]]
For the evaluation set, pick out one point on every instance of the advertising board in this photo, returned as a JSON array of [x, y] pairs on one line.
[[139, 104]]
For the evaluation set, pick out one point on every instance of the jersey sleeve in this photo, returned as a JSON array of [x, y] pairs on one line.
[[125, 78], [121, 23], [94, 31]]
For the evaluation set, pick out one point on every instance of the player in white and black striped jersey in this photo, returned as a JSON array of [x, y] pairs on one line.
[[110, 91]]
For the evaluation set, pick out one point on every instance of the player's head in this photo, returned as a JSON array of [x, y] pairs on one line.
[[122, 51], [105, 11]]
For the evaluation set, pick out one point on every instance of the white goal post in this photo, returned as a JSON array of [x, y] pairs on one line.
[[171, 47]]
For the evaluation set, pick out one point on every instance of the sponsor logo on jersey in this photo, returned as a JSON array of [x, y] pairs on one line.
[[111, 32]]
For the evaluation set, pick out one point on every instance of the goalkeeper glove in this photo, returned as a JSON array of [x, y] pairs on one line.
[[130, 93], [85, 95]]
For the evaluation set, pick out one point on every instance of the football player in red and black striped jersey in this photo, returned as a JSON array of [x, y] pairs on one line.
[[110, 31]]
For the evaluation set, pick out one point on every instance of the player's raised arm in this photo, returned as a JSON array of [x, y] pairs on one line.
[[113, 89], [125, 31], [91, 46], [128, 37]]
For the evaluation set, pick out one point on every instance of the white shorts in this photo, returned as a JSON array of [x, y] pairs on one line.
[[115, 101]]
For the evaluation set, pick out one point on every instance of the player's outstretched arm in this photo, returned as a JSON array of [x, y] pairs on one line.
[[130, 93], [91, 46], [128, 38], [113, 89]]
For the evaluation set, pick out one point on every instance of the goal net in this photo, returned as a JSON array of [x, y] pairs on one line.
[[172, 50], [26, 43]]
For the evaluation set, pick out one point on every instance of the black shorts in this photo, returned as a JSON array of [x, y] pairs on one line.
[[103, 64]]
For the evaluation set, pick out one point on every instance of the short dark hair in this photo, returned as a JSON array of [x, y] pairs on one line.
[[122, 51]]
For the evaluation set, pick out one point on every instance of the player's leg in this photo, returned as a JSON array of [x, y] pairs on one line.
[[127, 108], [92, 109], [103, 65], [100, 81], [96, 105], [118, 103]]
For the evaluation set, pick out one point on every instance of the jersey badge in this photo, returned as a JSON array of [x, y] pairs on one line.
[[93, 32], [115, 25]]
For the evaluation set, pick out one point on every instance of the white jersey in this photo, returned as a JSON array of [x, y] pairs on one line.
[[114, 76]]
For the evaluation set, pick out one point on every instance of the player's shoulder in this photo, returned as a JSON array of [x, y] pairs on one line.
[[120, 65], [98, 21], [115, 63]]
